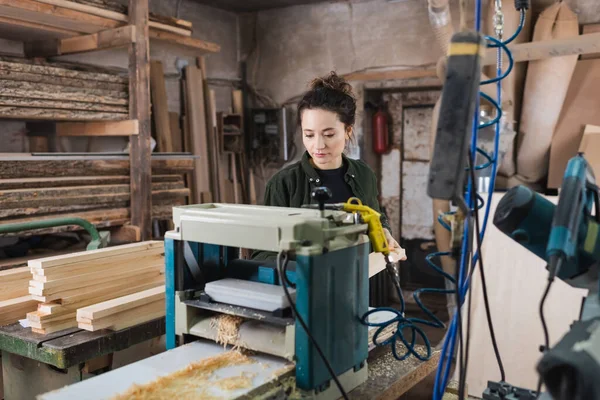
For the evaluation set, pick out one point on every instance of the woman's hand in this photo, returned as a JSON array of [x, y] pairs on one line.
[[394, 246]]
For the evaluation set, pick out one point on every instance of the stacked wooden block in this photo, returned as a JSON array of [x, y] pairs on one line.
[[59, 91], [64, 284], [94, 188], [15, 300]]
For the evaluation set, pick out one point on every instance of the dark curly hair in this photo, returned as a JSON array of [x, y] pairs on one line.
[[331, 93]]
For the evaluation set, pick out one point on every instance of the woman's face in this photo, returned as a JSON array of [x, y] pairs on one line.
[[324, 137]]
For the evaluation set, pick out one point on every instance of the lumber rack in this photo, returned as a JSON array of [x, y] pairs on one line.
[[59, 27], [38, 363]]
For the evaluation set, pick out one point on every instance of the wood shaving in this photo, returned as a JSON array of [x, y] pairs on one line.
[[243, 381], [188, 383], [228, 329]]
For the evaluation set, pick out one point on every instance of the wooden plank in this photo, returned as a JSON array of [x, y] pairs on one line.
[[20, 212], [14, 274], [104, 198], [587, 29], [106, 292], [197, 119], [160, 108], [17, 308], [33, 11], [68, 269], [56, 92], [391, 74], [62, 81], [141, 314], [203, 46], [91, 255], [32, 167], [539, 50], [59, 286], [29, 183], [120, 128], [175, 129], [63, 105], [120, 304], [110, 38], [237, 198], [211, 136], [43, 114], [55, 69], [139, 108], [36, 27], [117, 16]]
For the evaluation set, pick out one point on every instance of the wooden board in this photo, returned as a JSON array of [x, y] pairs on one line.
[[56, 92], [197, 124], [91, 255], [139, 108], [516, 279], [110, 38], [29, 183], [59, 70], [32, 166], [44, 114], [211, 135], [135, 316], [15, 309], [579, 109], [587, 29], [46, 14], [203, 46], [539, 50], [120, 304], [160, 108], [61, 195], [158, 22], [13, 282], [62, 81], [120, 128], [50, 105], [176, 134]]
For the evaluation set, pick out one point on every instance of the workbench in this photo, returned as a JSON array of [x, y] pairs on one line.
[[33, 363], [273, 378]]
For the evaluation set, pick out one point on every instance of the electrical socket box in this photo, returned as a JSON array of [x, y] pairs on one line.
[[268, 129]]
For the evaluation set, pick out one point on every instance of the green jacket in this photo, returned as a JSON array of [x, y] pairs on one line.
[[292, 187]]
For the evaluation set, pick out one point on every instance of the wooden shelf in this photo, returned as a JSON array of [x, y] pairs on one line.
[[59, 19], [109, 106]]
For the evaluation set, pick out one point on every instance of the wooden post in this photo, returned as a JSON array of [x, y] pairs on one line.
[[139, 108]]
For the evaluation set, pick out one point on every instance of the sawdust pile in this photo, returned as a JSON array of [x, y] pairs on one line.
[[186, 383], [228, 329]]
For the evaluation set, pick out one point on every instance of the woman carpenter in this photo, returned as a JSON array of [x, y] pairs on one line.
[[326, 117]]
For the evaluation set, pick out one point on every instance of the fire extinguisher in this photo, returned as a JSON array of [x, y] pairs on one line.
[[381, 136]]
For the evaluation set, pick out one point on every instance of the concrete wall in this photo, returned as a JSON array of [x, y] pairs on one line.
[[297, 44], [209, 24], [288, 47]]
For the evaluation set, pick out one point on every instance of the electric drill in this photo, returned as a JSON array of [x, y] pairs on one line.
[[567, 237]]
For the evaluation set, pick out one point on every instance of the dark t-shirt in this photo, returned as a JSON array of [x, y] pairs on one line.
[[334, 180]]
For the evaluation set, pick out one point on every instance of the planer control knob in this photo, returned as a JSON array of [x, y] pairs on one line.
[[321, 195]]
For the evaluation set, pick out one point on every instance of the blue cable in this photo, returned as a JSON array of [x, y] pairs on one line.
[[464, 281]]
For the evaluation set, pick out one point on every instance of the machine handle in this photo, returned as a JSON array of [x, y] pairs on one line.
[[321, 194]]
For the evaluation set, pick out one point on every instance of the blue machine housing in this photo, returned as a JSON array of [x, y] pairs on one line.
[[332, 293]]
